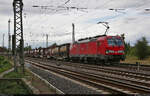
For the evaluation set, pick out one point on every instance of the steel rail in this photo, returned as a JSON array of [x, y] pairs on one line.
[[81, 79], [130, 86], [117, 71]]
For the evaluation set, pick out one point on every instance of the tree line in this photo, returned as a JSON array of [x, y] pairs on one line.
[[141, 49]]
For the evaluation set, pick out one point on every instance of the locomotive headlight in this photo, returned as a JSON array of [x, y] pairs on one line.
[[120, 51], [109, 51]]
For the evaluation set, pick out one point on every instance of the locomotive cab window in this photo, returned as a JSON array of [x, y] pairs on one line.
[[114, 42], [119, 42]]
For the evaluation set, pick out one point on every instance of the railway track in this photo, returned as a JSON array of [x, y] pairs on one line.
[[112, 83], [110, 70], [133, 67]]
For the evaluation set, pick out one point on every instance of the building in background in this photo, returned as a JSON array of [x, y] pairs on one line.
[[3, 49]]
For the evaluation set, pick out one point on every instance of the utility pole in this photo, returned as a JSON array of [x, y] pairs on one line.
[[9, 39], [13, 52], [3, 40], [73, 33], [18, 34], [46, 40]]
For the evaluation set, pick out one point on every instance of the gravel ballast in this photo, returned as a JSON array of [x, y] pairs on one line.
[[63, 84]]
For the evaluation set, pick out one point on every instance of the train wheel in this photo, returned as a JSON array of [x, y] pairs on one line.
[[72, 59], [98, 62], [95, 61], [85, 60], [88, 60]]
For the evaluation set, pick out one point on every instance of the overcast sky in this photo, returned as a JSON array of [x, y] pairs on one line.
[[56, 20]]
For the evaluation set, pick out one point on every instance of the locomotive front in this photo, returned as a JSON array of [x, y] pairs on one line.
[[114, 48]]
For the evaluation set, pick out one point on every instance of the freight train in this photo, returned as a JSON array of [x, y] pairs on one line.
[[100, 48]]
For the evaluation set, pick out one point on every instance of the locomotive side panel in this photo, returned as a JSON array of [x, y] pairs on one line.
[[92, 49], [83, 49], [74, 50], [101, 47]]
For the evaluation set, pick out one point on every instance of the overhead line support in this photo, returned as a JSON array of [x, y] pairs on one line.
[[18, 47]]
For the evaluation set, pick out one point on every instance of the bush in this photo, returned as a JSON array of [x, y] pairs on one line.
[[132, 51], [1, 58], [127, 48], [142, 48]]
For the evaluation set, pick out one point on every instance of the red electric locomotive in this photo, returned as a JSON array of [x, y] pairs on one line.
[[99, 48]]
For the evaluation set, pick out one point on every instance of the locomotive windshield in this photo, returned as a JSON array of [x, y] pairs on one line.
[[115, 42]]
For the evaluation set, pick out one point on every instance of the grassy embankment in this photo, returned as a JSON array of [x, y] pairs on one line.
[[18, 74], [134, 59], [10, 86], [38, 84], [4, 64]]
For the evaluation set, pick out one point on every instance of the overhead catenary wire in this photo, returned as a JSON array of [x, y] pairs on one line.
[[67, 2]]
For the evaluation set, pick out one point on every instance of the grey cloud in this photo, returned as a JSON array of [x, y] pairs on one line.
[[98, 4], [6, 8], [130, 25]]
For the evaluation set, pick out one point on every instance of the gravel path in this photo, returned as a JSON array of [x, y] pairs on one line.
[[66, 86]]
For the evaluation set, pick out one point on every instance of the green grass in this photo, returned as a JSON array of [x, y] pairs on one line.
[[134, 59], [18, 74], [4, 64], [12, 87]]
